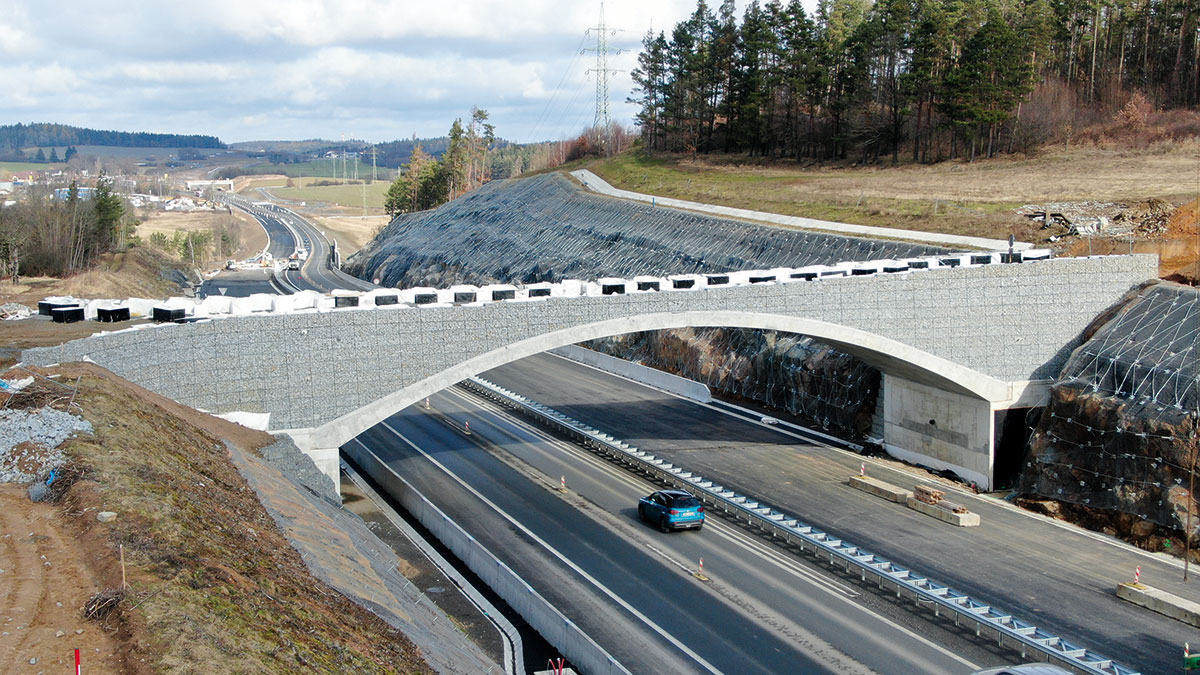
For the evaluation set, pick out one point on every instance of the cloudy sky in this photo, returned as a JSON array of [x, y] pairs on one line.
[[376, 70]]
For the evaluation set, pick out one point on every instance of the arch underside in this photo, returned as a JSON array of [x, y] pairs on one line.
[[887, 355]]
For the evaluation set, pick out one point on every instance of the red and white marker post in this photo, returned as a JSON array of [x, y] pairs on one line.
[[562, 483], [77, 671], [1137, 575], [862, 468]]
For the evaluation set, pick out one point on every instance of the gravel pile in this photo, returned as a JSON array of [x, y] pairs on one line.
[[29, 442], [14, 311]]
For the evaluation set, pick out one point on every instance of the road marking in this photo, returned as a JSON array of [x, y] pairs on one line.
[[819, 581], [562, 558]]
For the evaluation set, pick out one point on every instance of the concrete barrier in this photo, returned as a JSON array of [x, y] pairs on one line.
[[556, 628], [960, 519], [879, 488], [1162, 602], [637, 372]]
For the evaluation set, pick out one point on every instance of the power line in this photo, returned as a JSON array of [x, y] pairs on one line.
[[602, 70]]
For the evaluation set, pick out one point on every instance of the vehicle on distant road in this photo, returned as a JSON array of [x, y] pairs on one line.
[[293, 264], [671, 510]]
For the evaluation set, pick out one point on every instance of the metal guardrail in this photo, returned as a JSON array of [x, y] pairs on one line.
[[537, 611], [1009, 631]]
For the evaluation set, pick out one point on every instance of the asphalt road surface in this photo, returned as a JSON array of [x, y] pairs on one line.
[[629, 586], [1060, 577]]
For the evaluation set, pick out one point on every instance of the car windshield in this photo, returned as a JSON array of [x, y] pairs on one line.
[[684, 502]]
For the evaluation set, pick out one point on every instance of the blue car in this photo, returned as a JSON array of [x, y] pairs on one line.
[[671, 510]]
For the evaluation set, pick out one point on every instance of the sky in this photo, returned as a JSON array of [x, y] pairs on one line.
[[374, 70]]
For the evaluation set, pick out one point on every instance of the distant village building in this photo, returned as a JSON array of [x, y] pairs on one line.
[[206, 184], [61, 194]]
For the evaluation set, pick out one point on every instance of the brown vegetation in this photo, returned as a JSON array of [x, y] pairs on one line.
[[212, 586]]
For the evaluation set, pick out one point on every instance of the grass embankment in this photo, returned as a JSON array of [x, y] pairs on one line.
[[137, 272], [212, 584], [952, 197], [250, 235]]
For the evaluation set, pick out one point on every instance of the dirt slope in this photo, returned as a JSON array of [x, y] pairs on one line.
[[212, 585]]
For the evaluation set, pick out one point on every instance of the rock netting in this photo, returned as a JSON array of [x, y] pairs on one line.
[[30, 440], [1120, 429], [830, 389], [546, 229]]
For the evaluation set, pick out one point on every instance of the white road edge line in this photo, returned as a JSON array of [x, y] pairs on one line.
[[815, 579], [1000, 503], [747, 542], [563, 559], [514, 660]]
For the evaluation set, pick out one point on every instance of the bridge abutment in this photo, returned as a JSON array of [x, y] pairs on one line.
[[945, 429]]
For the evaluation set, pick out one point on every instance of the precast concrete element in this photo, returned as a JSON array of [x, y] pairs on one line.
[[874, 486], [960, 519], [1157, 600], [957, 341]]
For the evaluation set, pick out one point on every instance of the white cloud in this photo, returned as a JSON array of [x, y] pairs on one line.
[[377, 69]]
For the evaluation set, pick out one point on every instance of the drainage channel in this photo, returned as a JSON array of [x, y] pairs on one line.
[[1008, 631]]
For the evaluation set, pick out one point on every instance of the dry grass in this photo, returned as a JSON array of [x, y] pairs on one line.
[[251, 236], [350, 232], [133, 273], [953, 197], [213, 585]]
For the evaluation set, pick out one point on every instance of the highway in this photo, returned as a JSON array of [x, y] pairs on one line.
[[287, 232], [1061, 577], [630, 586]]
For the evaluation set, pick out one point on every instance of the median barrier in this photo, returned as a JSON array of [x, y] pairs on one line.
[[1008, 631]]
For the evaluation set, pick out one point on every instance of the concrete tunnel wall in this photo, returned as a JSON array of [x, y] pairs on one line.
[[979, 333]]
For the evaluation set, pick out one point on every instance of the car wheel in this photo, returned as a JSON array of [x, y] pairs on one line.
[[662, 524], [641, 513]]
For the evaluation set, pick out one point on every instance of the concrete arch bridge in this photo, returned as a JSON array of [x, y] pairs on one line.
[[957, 347]]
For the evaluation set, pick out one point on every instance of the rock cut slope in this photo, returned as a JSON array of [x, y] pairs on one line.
[[545, 228]]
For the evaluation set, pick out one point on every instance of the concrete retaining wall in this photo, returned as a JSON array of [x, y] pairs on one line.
[[637, 372], [557, 629]]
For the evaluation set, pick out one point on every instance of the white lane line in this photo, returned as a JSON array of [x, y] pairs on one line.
[[745, 541], [562, 558], [983, 499], [737, 537]]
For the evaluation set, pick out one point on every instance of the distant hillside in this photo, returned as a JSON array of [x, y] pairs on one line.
[[16, 136]]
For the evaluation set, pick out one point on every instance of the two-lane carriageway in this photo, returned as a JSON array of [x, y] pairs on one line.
[[630, 587]]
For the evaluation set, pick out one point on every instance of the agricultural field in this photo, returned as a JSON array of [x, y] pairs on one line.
[[326, 168], [348, 196], [9, 168]]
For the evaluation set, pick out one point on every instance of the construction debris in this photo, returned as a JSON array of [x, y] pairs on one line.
[[935, 497]]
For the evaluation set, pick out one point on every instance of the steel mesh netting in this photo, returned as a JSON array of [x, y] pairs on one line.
[[1120, 429], [829, 389], [545, 229]]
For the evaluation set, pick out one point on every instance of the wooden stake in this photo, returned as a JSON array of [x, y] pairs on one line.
[[123, 584]]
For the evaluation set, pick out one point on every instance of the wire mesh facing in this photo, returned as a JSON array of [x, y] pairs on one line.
[[545, 229], [1120, 429]]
